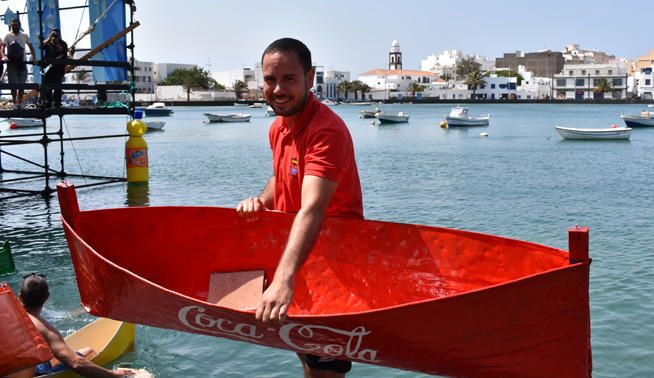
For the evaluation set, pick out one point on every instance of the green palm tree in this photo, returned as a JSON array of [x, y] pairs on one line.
[[356, 86], [475, 80], [413, 88], [345, 87], [602, 86], [466, 66], [239, 88], [364, 88]]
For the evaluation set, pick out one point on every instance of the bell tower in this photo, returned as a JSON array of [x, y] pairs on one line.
[[395, 57]]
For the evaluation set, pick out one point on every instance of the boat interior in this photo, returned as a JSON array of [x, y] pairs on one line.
[[355, 266]]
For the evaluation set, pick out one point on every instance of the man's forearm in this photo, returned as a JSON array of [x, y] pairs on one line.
[[303, 235], [267, 195]]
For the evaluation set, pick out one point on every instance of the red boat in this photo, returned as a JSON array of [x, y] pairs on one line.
[[428, 299]]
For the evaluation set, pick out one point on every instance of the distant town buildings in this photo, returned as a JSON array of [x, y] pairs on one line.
[[573, 54], [394, 81], [581, 82], [542, 64], [571, 74]]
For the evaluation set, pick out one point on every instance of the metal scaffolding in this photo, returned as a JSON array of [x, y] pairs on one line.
[[42, 171]]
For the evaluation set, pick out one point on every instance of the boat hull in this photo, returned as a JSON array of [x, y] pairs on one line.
[[374, 292], [20, 123], [157, 112], [392, 119], [155, 125], [637, 121], [622, 133], [215, 118], [466, 122]]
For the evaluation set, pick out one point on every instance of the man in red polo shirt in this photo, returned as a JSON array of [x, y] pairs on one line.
[[314, 175]]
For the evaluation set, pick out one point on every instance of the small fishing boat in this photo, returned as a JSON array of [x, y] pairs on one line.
[[231, 117], [361, 103], [256, 105], [384, 117], [459, 117], [369, 113], [607, 133], [644, 119], [110, 339], [270, 112], [329, 102], [20, 123], [155, 125], [158, 109], [428, 299], [241, 104]]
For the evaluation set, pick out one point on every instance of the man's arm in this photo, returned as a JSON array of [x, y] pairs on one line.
[[316, 195], [250, 206], [67, 356]]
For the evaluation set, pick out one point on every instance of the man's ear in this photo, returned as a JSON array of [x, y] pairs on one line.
[[310, 75]]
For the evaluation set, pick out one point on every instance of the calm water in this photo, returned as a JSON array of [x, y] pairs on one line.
[[522, 181]]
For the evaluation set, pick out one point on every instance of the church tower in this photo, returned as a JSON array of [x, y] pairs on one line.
[[395, 57]]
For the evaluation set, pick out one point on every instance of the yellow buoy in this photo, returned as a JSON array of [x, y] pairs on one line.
[[443, 124], [136, 150]]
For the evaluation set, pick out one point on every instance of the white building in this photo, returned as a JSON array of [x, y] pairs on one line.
[[178, 93], [394, 81], [573, 54], [533, 87], [143, 77], [228, 78], [644, 83], [578, 81], [445, 63], [332, 80]]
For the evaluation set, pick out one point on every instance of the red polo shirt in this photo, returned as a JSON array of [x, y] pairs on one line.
[[319, 145]]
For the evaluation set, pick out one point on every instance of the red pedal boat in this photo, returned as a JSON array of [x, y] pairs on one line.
[[428, 299]]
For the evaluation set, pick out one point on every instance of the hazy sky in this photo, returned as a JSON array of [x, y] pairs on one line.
[[356, 35]]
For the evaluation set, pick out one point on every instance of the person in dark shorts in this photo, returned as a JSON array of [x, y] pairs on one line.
[[14, 44]]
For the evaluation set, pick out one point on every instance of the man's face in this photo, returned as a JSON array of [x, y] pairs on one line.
[[15, 27], [285, 85]]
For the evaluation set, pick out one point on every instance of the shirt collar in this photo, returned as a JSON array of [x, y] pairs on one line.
[[304, 117]]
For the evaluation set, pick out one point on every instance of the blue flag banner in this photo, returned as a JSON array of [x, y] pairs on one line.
[[49, 21], [110, 17]]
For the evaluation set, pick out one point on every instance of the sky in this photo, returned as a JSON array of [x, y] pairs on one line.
[[356, 35]]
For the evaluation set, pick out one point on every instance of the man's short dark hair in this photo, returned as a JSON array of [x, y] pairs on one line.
[[291, 45], [34, 290]]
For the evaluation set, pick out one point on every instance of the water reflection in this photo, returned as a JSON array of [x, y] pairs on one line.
[[138, 194]]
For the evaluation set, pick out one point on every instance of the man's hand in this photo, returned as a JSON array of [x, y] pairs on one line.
[[250, 207], [274, 303], [122, 372]]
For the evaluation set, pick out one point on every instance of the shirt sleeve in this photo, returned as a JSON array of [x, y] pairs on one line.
[[327, 154]]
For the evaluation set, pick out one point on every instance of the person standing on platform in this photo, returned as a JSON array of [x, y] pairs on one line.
[[314, 175], [34, 292], [14, 44], [55, 48]]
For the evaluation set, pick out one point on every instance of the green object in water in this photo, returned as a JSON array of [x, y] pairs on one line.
[[6, 260]]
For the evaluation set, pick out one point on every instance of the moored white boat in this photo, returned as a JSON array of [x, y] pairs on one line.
[[231, 117], [158, 109], [392, 118], [16, 123], [155, 125], [608, 133], [256, 105], [644, 119], [459, 116], [369, 113], [361, 103], [329, 102]]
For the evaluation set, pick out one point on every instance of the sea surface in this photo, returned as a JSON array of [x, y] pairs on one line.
[[521, 181]]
